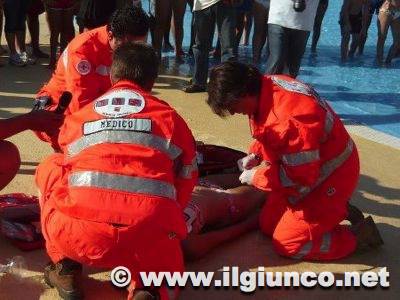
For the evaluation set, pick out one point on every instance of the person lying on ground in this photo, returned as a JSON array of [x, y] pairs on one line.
[[215, 215]]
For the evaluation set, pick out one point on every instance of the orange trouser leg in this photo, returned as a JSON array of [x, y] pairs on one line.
[[310, 230], [48, 175], [298, 238], [9, 163], [49, 180], [143, 247]]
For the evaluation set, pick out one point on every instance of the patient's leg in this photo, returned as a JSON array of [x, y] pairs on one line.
[[229, 213], [197, 245], [219, 208]]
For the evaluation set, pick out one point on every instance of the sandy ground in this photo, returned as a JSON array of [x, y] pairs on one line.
[[378, 194]]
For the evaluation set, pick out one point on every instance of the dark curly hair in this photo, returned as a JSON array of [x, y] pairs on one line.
[[229, 82], [130, 20]]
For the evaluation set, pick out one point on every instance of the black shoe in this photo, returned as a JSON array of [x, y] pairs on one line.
[[65, 276], [354, 215], [368, 236], [194, 88]]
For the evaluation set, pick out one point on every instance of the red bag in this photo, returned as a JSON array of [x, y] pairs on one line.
[[213, 159], [19, 208], [18, 214]]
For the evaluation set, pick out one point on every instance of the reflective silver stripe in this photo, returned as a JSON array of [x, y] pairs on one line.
[[122, 137], [187, 170], [330, 166], [103, 70], [285, 180], [329, 121], [326, 170], [326, 243], [122, 183], [305, 250], [300, 158], [329, 118], [306, 89], [65, 58]]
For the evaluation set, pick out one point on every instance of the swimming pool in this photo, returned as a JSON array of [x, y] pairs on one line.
[[358, 90]]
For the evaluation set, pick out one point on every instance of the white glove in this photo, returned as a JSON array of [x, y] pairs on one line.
[[247, 176], [248, 162]]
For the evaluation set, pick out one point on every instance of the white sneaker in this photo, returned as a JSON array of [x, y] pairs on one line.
[[16, 60], [27, 59]]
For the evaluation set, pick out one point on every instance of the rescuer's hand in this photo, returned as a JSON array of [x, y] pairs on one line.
[[247, 176], [248, 162]]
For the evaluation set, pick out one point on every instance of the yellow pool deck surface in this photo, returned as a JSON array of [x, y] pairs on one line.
[[378, 195]]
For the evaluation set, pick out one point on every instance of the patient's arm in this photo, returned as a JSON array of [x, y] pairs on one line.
[[198, 245]]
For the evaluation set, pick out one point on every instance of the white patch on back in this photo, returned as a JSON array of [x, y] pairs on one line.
[[294, 86], [142, 125], [119, 103]]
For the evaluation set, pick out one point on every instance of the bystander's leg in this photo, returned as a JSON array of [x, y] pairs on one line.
[[54, 19], [355, 41], [395, 48], [297, 47], [260, 14], [278, 42], [319, 17]]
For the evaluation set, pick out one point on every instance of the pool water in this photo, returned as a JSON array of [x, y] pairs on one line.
[[358, 90]]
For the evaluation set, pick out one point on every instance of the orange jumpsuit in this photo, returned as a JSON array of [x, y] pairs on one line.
[[83, 69], [116, 195], [310, 167]]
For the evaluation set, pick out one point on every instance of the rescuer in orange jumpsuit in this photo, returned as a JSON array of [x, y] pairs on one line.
[[302, 155], [10, 160], [116, 195], [84, 67]]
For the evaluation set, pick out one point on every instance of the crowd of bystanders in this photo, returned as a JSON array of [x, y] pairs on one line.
[[281, 25]]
